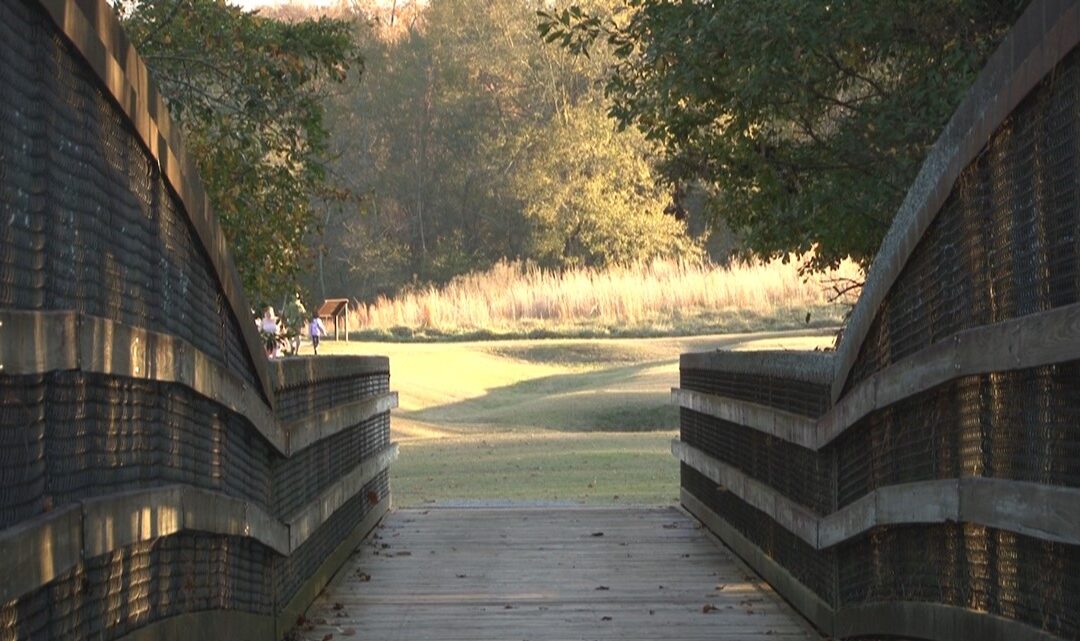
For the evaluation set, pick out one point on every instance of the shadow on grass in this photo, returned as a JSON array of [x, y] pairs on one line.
[[620, 397], [594, 400]]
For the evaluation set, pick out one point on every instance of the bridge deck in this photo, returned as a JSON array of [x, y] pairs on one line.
[[517, 573]]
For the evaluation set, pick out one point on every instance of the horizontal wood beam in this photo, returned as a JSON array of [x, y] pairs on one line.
[[921, 620], [805, 600], [803, 366], [298, 372], [39, 342], [1043, 338], [247, 626], [307, 519], [35, 552], [791, 427], [319, 425], [39, 550], [1046, 512]]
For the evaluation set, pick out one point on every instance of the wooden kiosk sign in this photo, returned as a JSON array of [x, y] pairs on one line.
[[334, 309]]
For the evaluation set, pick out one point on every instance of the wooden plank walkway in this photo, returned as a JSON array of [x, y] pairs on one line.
[[531, 573]]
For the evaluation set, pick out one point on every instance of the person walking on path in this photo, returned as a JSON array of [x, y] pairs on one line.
[[317, 330], [269, 329], [293, 315]]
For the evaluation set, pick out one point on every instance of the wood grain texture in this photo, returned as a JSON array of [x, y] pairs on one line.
[[519, 573]]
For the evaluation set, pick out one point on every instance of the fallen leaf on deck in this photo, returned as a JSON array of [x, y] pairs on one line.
[[597, 534], [707, 608], [605, 618], [602, 587]]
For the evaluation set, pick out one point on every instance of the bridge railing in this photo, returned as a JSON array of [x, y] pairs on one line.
[[923, 481], [160, 478]]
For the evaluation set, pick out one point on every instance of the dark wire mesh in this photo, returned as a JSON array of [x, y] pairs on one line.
[[799, 397], [1005, 244], [1022, 425], [798, 473], [294, 570], [296, 401], [109, 596], [68, 436], [301, 477], [89, 224], [814, 569], [969, 566]]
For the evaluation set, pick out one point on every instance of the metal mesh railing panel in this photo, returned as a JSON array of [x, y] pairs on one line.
[[1022, 425], [296, 401], [799, 397], [969, 566], [89, 224], [814, 569], [1006, 242], [301, 477], [67, 436], [294, 570], [800, 474], [109, 596]]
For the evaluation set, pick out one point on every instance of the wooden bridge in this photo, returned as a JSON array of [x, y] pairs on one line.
[[162, 480]]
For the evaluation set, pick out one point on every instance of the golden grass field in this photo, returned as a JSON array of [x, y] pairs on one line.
[[559, 420], [663, 297]]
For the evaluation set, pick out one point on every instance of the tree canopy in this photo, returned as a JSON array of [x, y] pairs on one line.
[[804, 121], [249, 93], [473, 142]]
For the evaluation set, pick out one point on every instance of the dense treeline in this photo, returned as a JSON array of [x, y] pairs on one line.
[[469, 141], [384, 146]]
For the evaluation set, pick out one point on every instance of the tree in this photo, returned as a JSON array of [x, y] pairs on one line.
[[450, 139], [249, 94], [592, 198], [806, 121]]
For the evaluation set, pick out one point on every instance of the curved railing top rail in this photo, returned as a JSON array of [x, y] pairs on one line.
[[809, 367], [1043, 35], [94, 31], [295, 371]]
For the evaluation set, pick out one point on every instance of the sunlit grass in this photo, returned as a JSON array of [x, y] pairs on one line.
[[662, 297], [553, 420]]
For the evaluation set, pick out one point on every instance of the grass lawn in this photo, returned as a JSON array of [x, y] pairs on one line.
[[561, 420]]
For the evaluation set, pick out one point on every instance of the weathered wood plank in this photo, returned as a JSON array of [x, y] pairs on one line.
[[513, 573], [1046, 512]]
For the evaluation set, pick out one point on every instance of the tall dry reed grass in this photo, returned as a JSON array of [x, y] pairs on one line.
[[659, 295]]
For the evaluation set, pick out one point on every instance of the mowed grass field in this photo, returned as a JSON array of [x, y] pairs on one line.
[[544, 421]]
